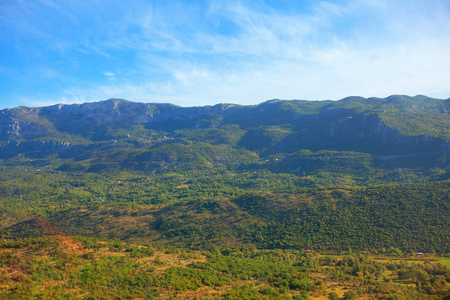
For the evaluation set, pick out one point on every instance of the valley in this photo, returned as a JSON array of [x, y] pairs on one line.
[[285, 199]]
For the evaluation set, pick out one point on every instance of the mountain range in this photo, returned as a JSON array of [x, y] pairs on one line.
[[398, 131], [358, 172]]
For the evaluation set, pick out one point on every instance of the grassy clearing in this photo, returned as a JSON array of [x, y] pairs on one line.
[[445, 261]]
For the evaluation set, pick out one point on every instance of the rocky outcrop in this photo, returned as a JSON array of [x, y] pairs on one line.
[[14, 128], [34, 148], [374, 136]]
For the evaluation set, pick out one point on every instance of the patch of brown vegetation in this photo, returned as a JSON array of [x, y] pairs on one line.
[[69, 244]]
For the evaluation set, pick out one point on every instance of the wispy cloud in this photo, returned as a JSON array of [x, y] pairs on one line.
[[232, 51], [109, 74]]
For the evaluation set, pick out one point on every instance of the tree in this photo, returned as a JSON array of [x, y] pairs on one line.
[[333, 296], [350, 295]]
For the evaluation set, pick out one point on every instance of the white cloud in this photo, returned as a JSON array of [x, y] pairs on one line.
[[184, 55]]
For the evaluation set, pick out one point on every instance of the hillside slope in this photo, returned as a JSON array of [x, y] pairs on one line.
[[374, 133], [356, 173]]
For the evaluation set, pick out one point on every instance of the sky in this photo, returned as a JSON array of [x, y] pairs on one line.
[[196, 53]]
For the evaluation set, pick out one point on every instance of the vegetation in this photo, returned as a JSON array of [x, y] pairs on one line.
[[203, 208], [62, 267], [285, 200]]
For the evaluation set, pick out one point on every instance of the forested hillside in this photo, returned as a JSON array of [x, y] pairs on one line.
[[335, 177], [411, 217], [277, 175]]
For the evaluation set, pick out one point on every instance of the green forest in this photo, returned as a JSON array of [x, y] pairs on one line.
[[344, 199]]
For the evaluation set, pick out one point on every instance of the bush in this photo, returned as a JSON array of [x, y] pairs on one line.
[[333, 296], [350, 295]]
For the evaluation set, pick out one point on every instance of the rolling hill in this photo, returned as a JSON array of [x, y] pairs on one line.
[[281, 174]]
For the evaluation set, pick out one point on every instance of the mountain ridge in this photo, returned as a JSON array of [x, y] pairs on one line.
[[259, 175], [104, 111], [399, 130]]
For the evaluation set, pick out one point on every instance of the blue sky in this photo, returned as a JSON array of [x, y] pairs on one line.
[[194, 53]]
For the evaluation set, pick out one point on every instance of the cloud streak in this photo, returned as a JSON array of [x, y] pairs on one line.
[[236, 51]]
